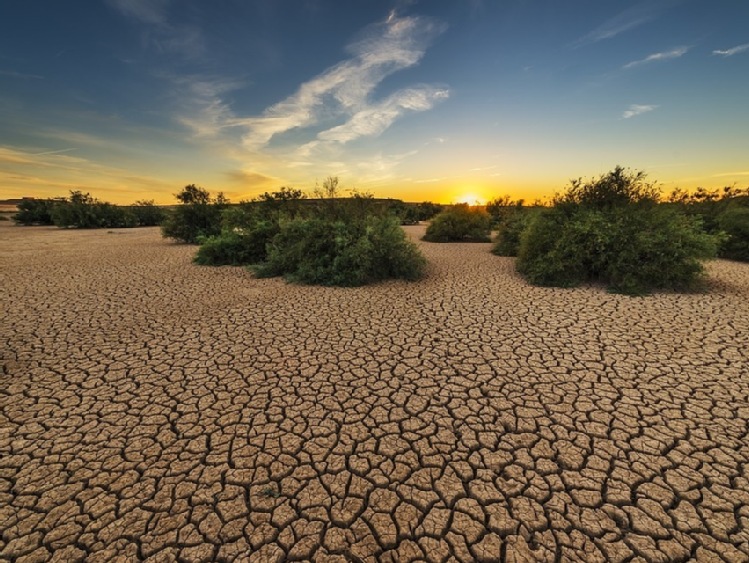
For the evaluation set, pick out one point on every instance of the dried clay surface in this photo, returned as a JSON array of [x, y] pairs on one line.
[[157, 410]]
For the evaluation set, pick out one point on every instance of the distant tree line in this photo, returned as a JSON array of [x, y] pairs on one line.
[[83, 211]]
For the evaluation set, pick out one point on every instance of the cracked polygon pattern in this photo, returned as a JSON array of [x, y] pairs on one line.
[[157, 410]]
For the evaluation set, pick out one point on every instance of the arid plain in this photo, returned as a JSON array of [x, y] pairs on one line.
[[157, 410]]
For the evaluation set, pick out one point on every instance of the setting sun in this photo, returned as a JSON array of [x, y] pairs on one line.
[[471, 198]]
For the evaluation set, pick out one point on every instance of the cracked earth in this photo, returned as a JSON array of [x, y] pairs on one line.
[[157, 410]]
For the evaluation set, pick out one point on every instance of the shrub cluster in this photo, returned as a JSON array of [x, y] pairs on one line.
[[325, 251], [328, 241], [32, 211], [83, 211], [413, 213], [612, 230], [196, 218], [510, 228], [460, 223], [723, 212]]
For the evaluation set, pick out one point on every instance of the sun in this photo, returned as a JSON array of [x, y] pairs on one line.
[[470, 199]]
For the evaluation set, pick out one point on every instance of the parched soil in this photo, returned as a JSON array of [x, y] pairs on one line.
[[154, 409]]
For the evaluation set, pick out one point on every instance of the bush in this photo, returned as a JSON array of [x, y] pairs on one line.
[[460, 223], [198, 217], [612, 231], [338, 252], [32, 211], [83, 211], [510, 229], [722, 212], [734, 222], [237, 247], [146, 213]]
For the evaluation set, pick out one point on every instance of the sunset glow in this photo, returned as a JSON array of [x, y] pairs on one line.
[[442, 101]]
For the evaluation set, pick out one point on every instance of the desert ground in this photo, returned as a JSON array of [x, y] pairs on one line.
[[156, 410]]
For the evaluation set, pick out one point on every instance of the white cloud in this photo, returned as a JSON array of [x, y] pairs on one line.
[[345, 88], [732, 51], [374, 119], [630, 18], [662, 56], [637, 109]]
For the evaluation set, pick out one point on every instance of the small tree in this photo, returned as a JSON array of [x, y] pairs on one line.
[[197, 217]]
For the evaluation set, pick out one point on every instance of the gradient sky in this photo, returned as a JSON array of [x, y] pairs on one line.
[[440, 100]]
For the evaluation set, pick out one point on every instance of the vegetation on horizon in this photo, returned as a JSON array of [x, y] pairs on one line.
[[83, 211]]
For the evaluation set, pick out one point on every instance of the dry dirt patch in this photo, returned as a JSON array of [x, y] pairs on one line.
[[156, 409]]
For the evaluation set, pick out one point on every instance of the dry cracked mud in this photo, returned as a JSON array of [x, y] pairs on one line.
[[157, 410]]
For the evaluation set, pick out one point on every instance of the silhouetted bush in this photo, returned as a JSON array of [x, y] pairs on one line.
[[500, 209], [146, 213], [83, 211], [413, 213], [460, 223], [198, 216], [342, 252], [611, 230], [32, 211]]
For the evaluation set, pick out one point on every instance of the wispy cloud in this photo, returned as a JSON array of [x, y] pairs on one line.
[[662, 56], [637, 109], [375, 119], [630, 18], [345, 89], [161, 34], [732, 51], [14, 74], [61, 151], [729, 174]]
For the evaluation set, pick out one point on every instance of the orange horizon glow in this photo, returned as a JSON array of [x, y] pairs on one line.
[[471, 191]]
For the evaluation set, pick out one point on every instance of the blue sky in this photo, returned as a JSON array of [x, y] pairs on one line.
[[440, 100]]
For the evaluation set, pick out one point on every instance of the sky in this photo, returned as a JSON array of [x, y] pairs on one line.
[[440, 100]]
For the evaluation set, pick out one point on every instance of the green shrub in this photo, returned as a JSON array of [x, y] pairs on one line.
[[612, 231], [509, 230], [460, 223], [237, 247], [342, 252], [32, 211], [198, 217], [734, 222], [83, 211], [722, 212]]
